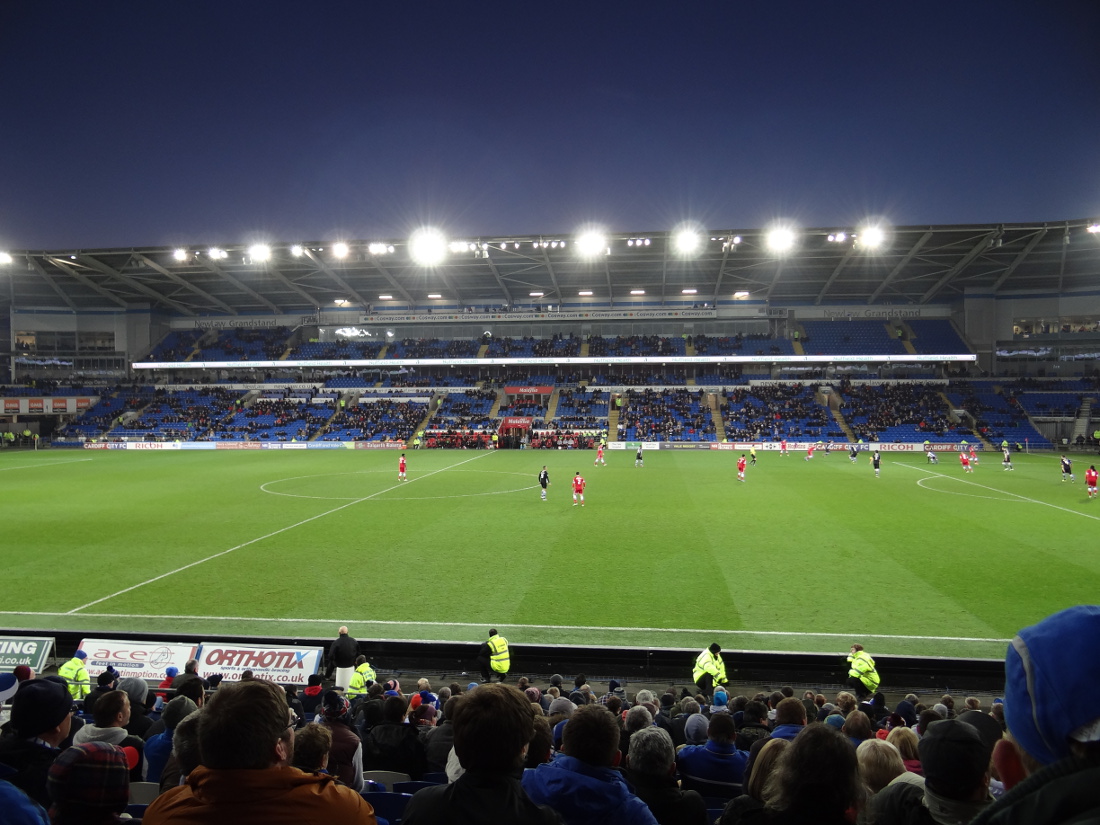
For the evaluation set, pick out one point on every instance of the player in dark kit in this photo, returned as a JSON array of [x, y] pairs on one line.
[[875, 463], [544, 481], [1067, 469]]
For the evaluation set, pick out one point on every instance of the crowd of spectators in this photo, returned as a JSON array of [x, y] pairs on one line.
[[872, 409], [634, 345], [382, 418], [666, 415], [772, 412]]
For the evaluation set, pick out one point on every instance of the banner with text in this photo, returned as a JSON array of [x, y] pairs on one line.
[[285, 665], [33, 651], [141, 660]]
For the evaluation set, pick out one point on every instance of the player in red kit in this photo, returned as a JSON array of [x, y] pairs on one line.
[[401, 469], [741, 468], [810, 452], [578, 489], [783, 447], [964, 459], [599, 457], [1090, 480], [973, 456]]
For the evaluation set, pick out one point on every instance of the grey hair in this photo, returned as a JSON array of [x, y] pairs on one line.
[[637, 718], [651, 752]]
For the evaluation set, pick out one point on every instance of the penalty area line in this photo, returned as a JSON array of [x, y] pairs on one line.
[[393, 623], [45, 464], [996, 490], [267, 536]]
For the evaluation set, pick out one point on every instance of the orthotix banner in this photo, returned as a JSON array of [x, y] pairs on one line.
[[285, 665]]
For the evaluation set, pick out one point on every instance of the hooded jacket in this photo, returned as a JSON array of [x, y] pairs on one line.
[[585, 794]]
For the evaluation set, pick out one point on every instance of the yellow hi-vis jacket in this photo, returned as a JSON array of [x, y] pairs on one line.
[[498, 654], [358, 685], [863, 668], [74, 672], [709, 663]]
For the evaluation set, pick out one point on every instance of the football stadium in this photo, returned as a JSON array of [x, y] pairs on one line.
[[198, 437]]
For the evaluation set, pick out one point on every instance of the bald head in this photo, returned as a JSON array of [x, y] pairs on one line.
[[344, 630]]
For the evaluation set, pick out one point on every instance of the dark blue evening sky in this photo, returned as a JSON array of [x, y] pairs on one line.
[[126, 123]]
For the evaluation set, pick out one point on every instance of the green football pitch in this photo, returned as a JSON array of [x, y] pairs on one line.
[[803, 556]]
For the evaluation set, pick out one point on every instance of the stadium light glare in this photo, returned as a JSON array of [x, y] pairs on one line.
[[780, 239], [341, 302], [385, 297], [218, 253], [872, 237], [260, 252], [687, 241], [435, 295], [5, 258], [740, 296], [379, 249], [637, 292], [340, 250], [591, 244], [428, 247], [688, 291], [296, 251], [460, 246], [585, 293], [1094, 228], [180, 254], [536, 294]]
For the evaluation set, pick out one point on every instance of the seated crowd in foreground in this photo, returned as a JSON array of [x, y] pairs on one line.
[[243, 753]]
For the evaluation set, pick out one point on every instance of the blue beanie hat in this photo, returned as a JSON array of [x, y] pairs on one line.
[[80, 654], [172, 672], [1050, 668]]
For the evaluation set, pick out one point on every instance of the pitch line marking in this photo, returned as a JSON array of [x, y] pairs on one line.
[[267, 536], [45, 464], [391, 623], [995, 490]]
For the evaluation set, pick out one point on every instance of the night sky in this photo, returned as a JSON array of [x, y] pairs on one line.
[[126, 123]]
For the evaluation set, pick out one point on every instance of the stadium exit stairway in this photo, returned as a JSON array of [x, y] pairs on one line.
[[842, 422], [552, 404], [1084, 416], [907, 341], [713, 401]]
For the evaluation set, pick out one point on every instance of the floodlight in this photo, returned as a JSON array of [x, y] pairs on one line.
[[378, 249], [637, 292], [1094, 228], [340, 250], [536, 294], [435, 295], [736, 239], [687, 241], [459, 246], [385, 297], [341, 302], [872, 236], [591, 244], [218, 253], [296, 251], [780, 239], [180, 254], [5, 257], [586, 293], [260, 252], [428, 247], [740, 296], [688, 291]]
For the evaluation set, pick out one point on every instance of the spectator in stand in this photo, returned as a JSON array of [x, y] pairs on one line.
[[341, 658], [581, 783], [41, 715], [754, 725], [311, 748], [170, 674], [1050, 760], [105, 683], [18, 808], [879, 763], [112, 712], [345, 759], [394, 745], [439, 740], [193, 690], [159, 746], [689, 708], [745, 807], [493, 728], [312, 695], [636, 719], [716, 768], [857, 727], [906, 742], [246, 737], [138, 691], [190, 671], [956, 780], [651, 770], [790, 719], [89, 785], [185, 752], [816, 780]]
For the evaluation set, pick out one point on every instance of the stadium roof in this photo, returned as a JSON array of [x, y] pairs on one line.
[[913, 265]]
